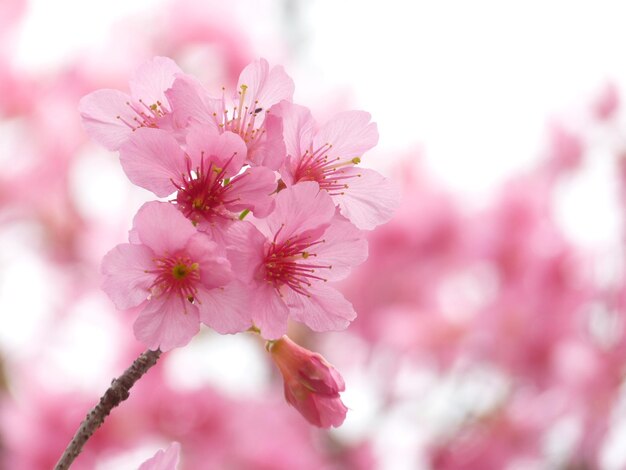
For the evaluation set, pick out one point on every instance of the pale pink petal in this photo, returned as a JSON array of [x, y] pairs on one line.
[[152, 158], [151, 80], [125, 279], [245, 249], [269, 312], [344, 246], [227, 150], [162, 227], [325, 310], [370, 199], [133, 236], [269, 149], [190, 101], [215, 269], [167, 322], [265, 87], [163, 459], [99, 112], [350, 133], [301, 208], [288, 171], [216, 229], [252, 191], [225, 309], [298, 127]]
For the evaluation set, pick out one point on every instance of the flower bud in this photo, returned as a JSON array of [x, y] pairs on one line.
[[312, 385]]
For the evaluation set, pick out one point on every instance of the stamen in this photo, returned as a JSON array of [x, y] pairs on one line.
[[175, 275], [285, 263], [314, 165], [203, 193]]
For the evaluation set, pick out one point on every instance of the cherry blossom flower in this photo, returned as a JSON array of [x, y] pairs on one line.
[[312, 385], [163, 459], [607, 103], [209, 190], [329, 156], [110, 116], [248, 114], [177, 274], [300, 246], [566, 149]]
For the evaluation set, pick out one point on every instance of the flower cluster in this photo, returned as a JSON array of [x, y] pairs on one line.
[[265, 208]]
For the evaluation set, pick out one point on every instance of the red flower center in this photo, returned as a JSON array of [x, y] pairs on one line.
[[315, 165], [287, 263], [175, 275], [203, 192]]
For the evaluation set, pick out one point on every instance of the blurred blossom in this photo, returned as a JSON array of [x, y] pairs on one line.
[[163, 459], [607, 102]]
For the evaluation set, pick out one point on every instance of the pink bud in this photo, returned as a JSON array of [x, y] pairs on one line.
[[312, 385]]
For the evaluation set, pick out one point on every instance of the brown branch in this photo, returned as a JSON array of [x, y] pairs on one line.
[[117, 393]]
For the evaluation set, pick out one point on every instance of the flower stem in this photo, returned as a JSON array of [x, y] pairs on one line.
[[117, 393]]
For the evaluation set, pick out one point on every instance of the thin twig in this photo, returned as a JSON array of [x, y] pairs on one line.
[[117, 393]]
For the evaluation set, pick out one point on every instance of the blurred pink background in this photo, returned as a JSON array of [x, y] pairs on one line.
[[491, 310]]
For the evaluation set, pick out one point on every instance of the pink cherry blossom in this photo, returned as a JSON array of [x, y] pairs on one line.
[[312, 385], [110, 116], [607, 103], [329, 156], [566, 149], [180, 277], [163, 459], [300, 246], [205, 177], [248, 114]]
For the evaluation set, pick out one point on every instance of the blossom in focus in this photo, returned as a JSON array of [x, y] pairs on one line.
[[164, 459], [209, 189], [312, 385], [289, 256], [248, 114], [110, 116], [178, 275], [329, 156]]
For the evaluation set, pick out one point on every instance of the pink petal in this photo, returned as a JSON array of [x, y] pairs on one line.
[[162, 227], [245, 249], [344, 247], [298, 127], [265, 87], [151, 80], [99, 112], [220, 149], [215, 270], [125, 279], [226, 309], [152, 159], [268, 150], [301, 208], [252, 190], [269, 312], [190, 101], [167, 322], [163, 460], [331, 411], [370, 199], [325, 310], [351, 134]]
